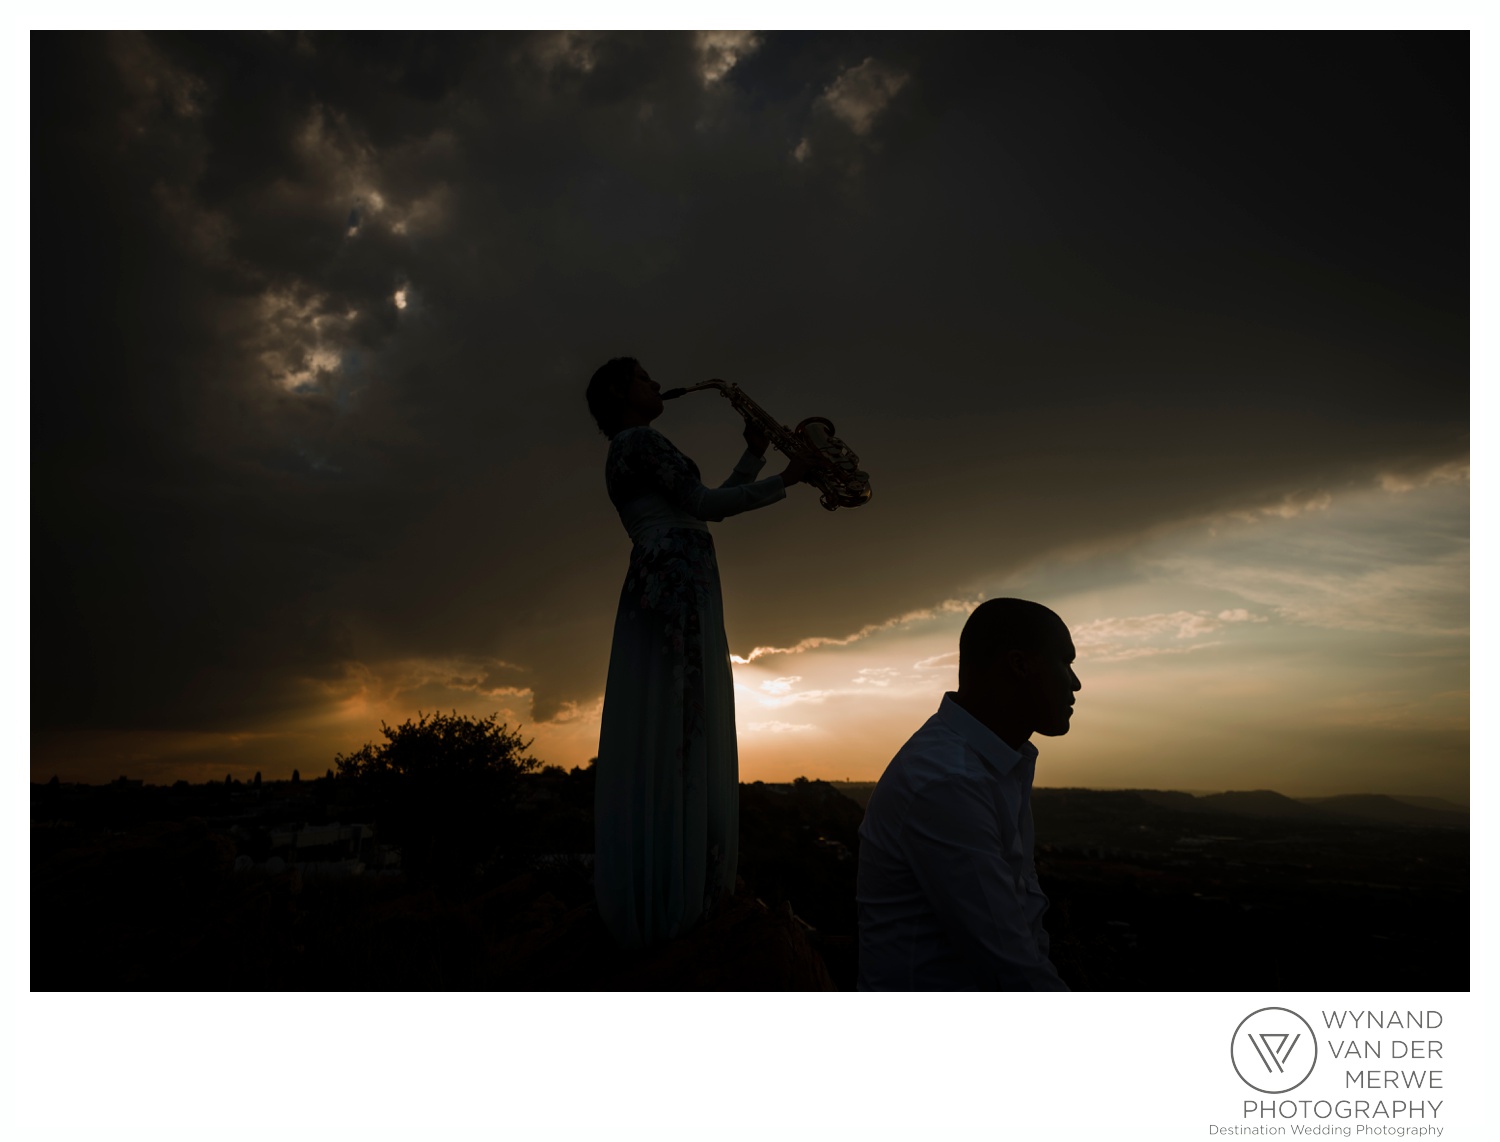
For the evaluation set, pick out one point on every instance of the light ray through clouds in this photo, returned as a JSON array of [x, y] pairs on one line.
[[815, 642]]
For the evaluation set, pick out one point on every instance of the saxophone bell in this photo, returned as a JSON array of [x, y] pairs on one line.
[[833, 468]]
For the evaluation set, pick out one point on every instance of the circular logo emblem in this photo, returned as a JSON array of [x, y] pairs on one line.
[[1273, 1050]]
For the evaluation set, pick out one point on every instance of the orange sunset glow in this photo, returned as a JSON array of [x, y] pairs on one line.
[[1311, 648]]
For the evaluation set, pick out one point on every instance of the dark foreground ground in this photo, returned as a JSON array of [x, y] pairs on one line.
[[201, 888]]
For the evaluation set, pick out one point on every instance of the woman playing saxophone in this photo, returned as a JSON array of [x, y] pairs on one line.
[[667, 780]]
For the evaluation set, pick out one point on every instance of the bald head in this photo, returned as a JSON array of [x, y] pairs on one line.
[[1015, 669], [1000, 625]]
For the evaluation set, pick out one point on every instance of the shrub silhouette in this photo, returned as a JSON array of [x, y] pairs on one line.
[[443, 788]]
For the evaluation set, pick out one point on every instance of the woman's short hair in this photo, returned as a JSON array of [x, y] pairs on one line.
[[606, 392], [1000, 625]]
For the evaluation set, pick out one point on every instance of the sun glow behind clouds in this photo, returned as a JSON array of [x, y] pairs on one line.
[[1312, 652]]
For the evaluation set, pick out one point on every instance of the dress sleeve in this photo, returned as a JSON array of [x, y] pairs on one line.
[[656, 461], [746, 470], [953, 844]]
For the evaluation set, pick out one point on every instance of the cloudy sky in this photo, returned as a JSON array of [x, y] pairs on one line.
[[1167, 332]]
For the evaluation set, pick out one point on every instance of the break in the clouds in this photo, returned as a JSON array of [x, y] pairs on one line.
[[1392, 558], [718, 52], [858, 95], [1114, 639], [854, 99], [309, 447]]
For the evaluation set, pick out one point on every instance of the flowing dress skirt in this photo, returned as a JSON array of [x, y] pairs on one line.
[[667, 794]]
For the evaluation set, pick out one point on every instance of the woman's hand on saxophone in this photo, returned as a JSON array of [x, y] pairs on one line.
[[756, 440], [794, 472]]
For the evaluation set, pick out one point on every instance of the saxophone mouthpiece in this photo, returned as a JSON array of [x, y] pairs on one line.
[[672, 394]]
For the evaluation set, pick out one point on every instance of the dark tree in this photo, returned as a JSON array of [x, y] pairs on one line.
[[443, 787], [296, 777]]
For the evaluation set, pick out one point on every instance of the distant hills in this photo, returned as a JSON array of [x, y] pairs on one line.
[[1394, 810], [1266, 804]]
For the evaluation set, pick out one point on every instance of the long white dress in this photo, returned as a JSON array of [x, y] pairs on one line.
[[666, 831]]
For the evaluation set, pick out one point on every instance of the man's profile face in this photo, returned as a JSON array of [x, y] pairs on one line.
[[1052, 683]]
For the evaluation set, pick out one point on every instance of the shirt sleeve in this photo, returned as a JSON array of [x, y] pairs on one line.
[[1036, 903], [954, 848], [1036, 908], [678, 480]]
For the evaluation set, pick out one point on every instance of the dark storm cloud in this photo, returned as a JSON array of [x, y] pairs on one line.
[[312, 318]]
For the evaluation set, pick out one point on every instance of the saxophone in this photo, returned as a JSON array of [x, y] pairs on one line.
[[832, 466]]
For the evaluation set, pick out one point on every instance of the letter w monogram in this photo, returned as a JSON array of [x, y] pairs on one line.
[[1274, 1049]]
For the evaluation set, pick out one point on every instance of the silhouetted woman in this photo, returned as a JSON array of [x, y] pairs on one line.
[[666, 833]]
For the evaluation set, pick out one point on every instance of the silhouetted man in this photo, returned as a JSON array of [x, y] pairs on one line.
[[948, 894]]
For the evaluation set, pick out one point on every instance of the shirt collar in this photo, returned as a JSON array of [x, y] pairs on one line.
[[983, 740]]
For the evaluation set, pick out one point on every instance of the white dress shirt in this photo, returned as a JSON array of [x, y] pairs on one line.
[[948, 895]]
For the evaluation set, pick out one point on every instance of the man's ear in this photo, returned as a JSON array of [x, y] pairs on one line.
[[1017, 663]]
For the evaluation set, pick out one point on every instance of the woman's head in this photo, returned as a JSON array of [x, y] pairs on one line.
[[621, 393]]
